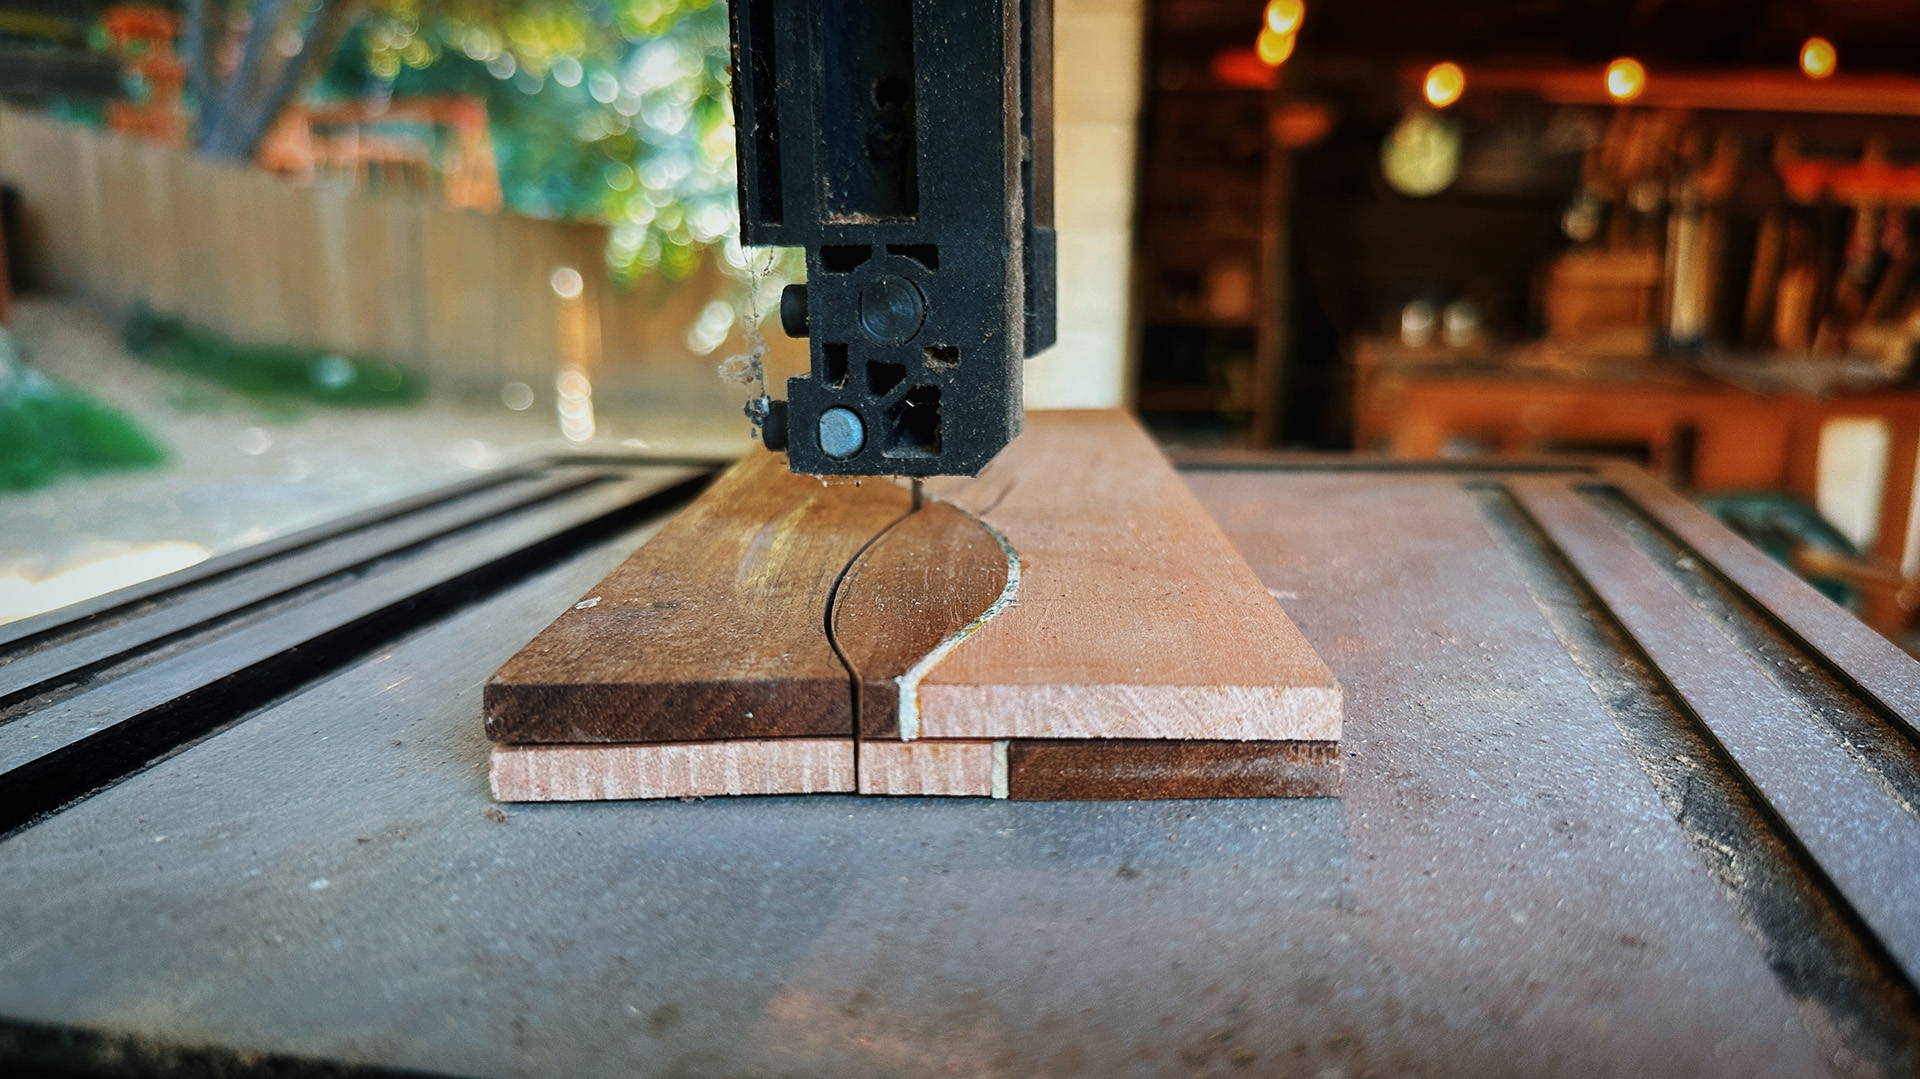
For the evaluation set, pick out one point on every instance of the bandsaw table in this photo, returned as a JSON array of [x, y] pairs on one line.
[[1622, 797]]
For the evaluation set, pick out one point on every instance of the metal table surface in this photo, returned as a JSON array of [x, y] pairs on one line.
[[1623, 798]]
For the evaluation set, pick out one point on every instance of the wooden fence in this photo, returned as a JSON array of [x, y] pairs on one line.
[[467, 297]]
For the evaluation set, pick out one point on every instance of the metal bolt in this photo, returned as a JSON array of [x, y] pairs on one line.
[[841, 433]]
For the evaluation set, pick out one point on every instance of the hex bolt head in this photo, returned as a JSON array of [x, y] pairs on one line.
[[891, 309], [793, 310], [842, 434]]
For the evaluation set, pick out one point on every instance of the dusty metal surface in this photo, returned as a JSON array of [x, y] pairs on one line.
[[1550, 859]]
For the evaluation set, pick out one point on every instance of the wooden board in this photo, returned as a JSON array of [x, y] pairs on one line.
[[1094, 769], [673, 770], [1065, 769], [943, 768], [1089, 770], [1075, 590], [714, 629], [919, 588], [1134, 616]]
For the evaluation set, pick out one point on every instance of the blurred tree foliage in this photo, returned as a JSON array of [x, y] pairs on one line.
[[248, 59], [613, 110]]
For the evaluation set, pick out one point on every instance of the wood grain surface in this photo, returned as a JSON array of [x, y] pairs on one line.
[[1096, 770], [673, 770], [1075, 590], [1134, 617], [926, 580], [716, 628], [943, 768]]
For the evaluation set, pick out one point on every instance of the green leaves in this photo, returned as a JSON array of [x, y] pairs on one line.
[[608, 110]]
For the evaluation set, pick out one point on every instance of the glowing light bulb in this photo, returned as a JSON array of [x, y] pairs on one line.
[[1626, 77], [1284, 16], [1444, 84], [1818, 58], [1273, 47]]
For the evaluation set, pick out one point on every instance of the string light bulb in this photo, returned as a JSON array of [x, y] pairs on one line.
[[1626, 78], [1273, 47], [1818, 58], [1444, 84], [1284, 16]]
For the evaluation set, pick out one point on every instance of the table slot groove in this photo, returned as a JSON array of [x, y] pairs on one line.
[[61, 754], [65, 622], [1853, 993], [1877, 739], [207, 606]]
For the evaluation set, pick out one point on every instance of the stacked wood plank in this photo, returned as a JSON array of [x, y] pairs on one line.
[[1068, 624]]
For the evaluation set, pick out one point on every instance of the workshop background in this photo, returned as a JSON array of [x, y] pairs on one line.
[[266, 263]]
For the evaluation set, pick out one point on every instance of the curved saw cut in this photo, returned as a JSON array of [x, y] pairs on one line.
[[934, 578]]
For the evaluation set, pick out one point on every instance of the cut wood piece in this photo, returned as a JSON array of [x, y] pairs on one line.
[[675, 770], [1074, 590], [949, 768], [910, 597], [716, 628], [1097, 770], [1134, 616]]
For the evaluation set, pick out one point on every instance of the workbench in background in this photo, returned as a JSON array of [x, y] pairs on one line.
[[1706, 426]]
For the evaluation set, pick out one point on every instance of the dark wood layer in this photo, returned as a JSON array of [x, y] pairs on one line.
[[1074, 769]]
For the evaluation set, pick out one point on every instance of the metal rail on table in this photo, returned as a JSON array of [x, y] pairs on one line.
[[1623, 797]]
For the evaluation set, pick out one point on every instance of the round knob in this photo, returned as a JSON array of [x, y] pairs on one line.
[[891, 309], [841, 433], [793, 310]]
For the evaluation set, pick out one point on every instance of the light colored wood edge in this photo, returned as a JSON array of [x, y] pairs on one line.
[[959, 768], [576, 773], [909, 682], [1226, 713]]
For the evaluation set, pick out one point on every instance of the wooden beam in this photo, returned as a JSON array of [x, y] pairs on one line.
[[1782, 91]]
